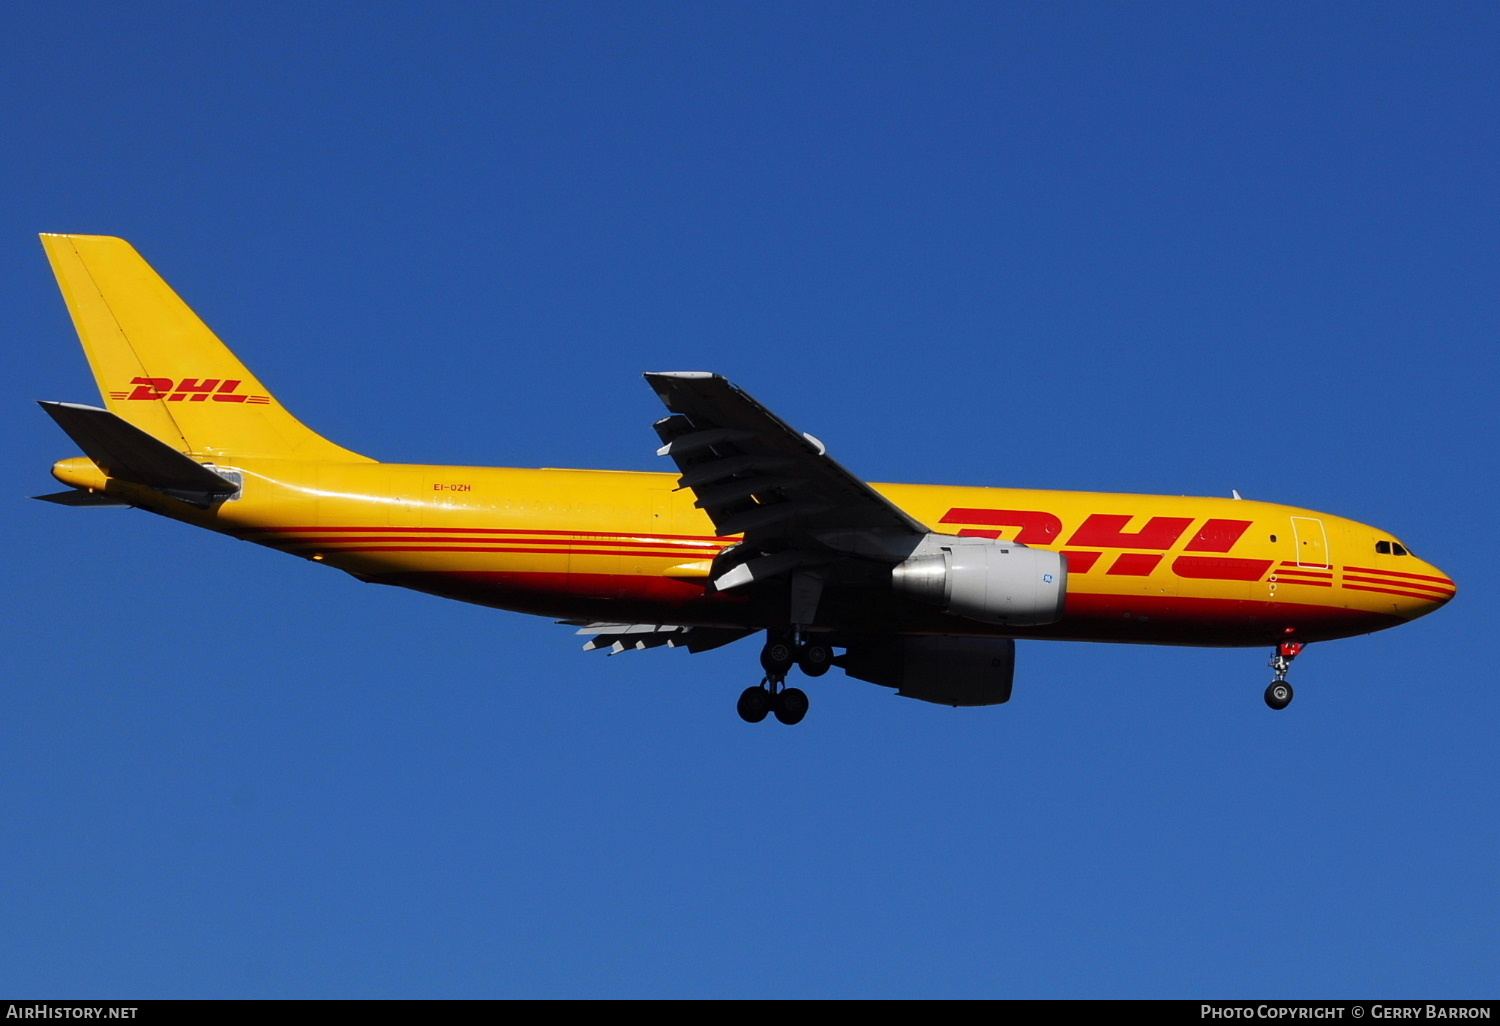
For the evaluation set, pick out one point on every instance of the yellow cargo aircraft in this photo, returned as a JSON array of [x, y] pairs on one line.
[[924, 588]]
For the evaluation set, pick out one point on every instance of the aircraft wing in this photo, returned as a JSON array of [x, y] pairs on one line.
[[754, 475]]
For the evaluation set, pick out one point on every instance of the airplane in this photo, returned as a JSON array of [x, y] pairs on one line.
[[924, 589]]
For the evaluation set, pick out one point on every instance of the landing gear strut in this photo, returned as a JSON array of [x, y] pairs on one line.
[[771, 695], [1279, 694]]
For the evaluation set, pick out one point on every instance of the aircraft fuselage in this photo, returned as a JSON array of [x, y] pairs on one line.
[[631, 547]]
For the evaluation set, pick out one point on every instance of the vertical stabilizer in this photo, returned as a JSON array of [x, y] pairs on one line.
[[160, 368]]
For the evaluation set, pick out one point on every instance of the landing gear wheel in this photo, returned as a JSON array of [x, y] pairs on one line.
[[754, 704], [1279, 694], [790, 706], [814, 659], [777, 658]]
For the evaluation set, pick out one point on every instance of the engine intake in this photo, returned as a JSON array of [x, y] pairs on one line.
[[985, 580]]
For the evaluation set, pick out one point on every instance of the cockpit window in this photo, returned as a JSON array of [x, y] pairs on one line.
[[1390, 548], [1383, 547], [1397, 549]]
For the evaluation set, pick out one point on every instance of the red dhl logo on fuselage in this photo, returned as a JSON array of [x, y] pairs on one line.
[[220, 390], [1107, 531], [1159, 534]]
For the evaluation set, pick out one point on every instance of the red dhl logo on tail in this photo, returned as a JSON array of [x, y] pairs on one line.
[[195, 390]]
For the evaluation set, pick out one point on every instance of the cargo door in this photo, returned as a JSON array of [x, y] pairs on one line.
[[1312, 542]]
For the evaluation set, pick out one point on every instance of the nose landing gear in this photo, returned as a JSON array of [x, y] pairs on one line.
[[1279, 694]]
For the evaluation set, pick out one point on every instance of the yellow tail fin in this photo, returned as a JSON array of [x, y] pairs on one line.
[[161, 368]]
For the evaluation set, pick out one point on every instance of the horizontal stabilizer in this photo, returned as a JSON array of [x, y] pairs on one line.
[[79, 497], [125, 452]]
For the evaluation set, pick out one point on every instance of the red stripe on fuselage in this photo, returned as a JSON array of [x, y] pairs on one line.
[[378, 540], [1220, 568], [510, 549], [1181, 620], [1399, 591], [617, 598], [1398, 573], [673, 538], [1409, 585], [1142, 619]]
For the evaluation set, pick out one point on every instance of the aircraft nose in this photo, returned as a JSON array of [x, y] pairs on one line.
[[1429, 589]]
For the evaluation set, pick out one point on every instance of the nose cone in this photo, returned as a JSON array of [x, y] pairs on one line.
[[1428, 589]]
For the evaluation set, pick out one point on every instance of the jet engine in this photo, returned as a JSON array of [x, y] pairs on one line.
[[986, 580]]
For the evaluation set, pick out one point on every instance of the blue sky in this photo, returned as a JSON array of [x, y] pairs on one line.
[[1175, 248]]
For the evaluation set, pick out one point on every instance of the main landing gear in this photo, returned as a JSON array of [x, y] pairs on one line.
[[1279, 694], [789, 704], [771, 695]]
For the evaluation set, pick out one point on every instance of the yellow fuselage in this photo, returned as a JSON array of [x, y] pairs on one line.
[[627, 547]]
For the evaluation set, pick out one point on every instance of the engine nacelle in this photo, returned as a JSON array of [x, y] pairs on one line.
[[945, 671], [985, 580]]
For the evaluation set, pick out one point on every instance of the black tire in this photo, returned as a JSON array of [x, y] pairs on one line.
[[1279, 694], [777, 657], [815, 659], [754, 704], [791, 706]]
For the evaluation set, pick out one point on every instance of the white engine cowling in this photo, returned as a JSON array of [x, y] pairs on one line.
[[985, 580]]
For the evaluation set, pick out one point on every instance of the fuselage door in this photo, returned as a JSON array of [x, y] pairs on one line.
[[1312, 542]]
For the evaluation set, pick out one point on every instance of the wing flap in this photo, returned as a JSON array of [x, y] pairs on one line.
[[625, 637]]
